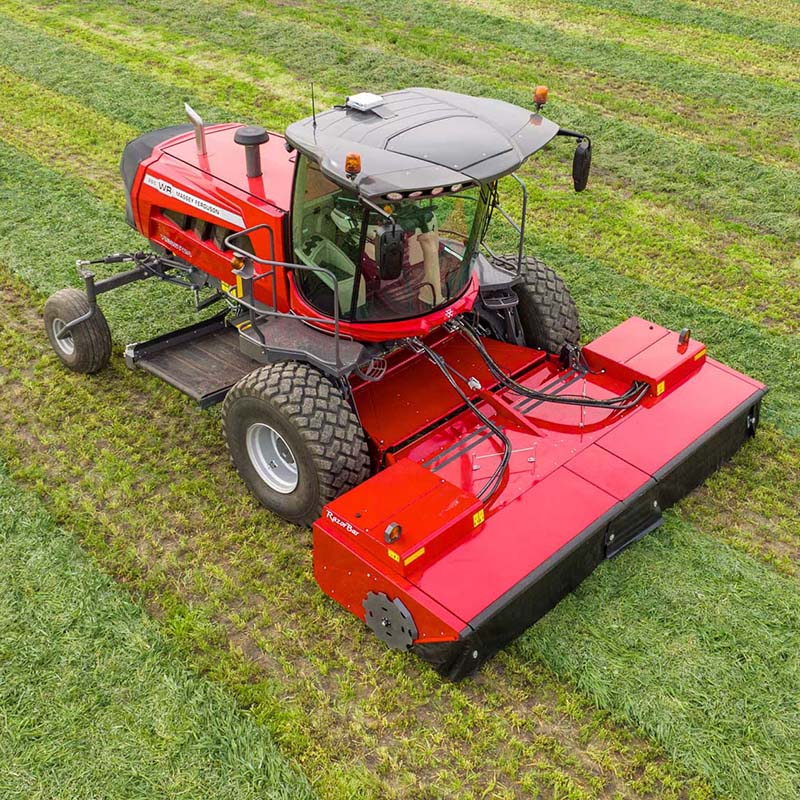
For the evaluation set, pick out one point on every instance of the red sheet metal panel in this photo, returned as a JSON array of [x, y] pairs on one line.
[[608, 472], [414, 394], [584, 467], [639, 350], [347, 574], [429, 512], [514, 541], [655, 435]]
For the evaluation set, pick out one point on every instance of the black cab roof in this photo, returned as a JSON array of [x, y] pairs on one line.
[[419, 139]]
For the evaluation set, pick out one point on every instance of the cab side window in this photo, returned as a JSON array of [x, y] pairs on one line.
[[326, 233]]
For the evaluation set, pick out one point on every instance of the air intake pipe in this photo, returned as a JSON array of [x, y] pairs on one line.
[[252, 137]]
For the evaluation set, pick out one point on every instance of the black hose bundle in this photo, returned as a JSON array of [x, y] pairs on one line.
[[622, 402]]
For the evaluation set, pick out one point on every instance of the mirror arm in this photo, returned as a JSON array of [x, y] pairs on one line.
[[573, 134]]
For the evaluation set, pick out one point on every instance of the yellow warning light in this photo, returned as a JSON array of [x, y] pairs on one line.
[[352, 164], [237, 262], [540, 96]]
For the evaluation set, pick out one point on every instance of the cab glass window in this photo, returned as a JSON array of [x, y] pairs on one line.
[[333, 230]]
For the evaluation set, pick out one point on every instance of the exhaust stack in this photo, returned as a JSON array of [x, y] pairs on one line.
[[199, 130], [252, 137]]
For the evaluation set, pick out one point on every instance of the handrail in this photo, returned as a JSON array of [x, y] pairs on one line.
[[249, 278]]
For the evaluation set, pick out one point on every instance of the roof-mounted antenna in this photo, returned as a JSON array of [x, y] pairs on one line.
[[313, 107]]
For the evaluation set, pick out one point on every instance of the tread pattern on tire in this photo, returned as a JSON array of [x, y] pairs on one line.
[[92, 338], [320, 413], [547, 311]]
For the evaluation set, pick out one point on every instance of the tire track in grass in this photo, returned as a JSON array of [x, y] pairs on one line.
[[749, 275], [84, 671]]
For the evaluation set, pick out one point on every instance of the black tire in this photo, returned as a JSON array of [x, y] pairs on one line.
[[88, 347], [312, 416], [547, 311]]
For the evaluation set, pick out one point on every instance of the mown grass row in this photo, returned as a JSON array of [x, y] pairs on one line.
[[94, 702], [140, 474], [697, 45], [761, 139], [747, 274], [770, 23], [311, 42]]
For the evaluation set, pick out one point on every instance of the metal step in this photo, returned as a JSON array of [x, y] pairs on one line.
[[289, 338], [203, 360]]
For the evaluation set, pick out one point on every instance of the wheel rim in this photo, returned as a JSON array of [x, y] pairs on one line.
[[272, 458], [67, 344]]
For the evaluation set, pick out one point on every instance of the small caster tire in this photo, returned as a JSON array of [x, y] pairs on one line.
[[87, 346]]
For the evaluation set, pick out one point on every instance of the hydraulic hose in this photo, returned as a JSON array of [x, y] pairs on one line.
[[494, 482], [623, 402]]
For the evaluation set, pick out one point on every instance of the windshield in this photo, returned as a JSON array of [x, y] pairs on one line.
[[334, 230]]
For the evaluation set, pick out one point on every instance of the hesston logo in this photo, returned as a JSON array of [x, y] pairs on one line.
[[341, 523]]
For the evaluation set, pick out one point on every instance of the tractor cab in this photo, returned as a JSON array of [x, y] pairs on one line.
[[392, 197]]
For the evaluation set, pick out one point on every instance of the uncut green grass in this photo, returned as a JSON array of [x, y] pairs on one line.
[[93, 702], [664, 661], [699, 645]]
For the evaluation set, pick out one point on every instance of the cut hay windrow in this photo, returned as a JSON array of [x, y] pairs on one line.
[[272, 90], [730, 187], [697, 45], [772, 23]]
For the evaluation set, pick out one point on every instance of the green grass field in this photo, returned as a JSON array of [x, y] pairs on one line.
[[93, 702], [672, 672]]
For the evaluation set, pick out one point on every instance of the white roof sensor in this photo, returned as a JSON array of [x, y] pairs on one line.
[[364, 101]]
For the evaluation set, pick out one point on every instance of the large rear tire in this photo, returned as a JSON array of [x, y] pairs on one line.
[[294, 439], [87, 346], [546, 309]]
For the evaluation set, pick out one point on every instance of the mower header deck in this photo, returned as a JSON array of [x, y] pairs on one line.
[[582, 484]]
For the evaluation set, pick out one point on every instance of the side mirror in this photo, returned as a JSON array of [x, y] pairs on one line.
[[581, 162], [389, 251]]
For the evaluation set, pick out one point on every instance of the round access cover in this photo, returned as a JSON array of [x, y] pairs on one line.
[[389, 620]]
